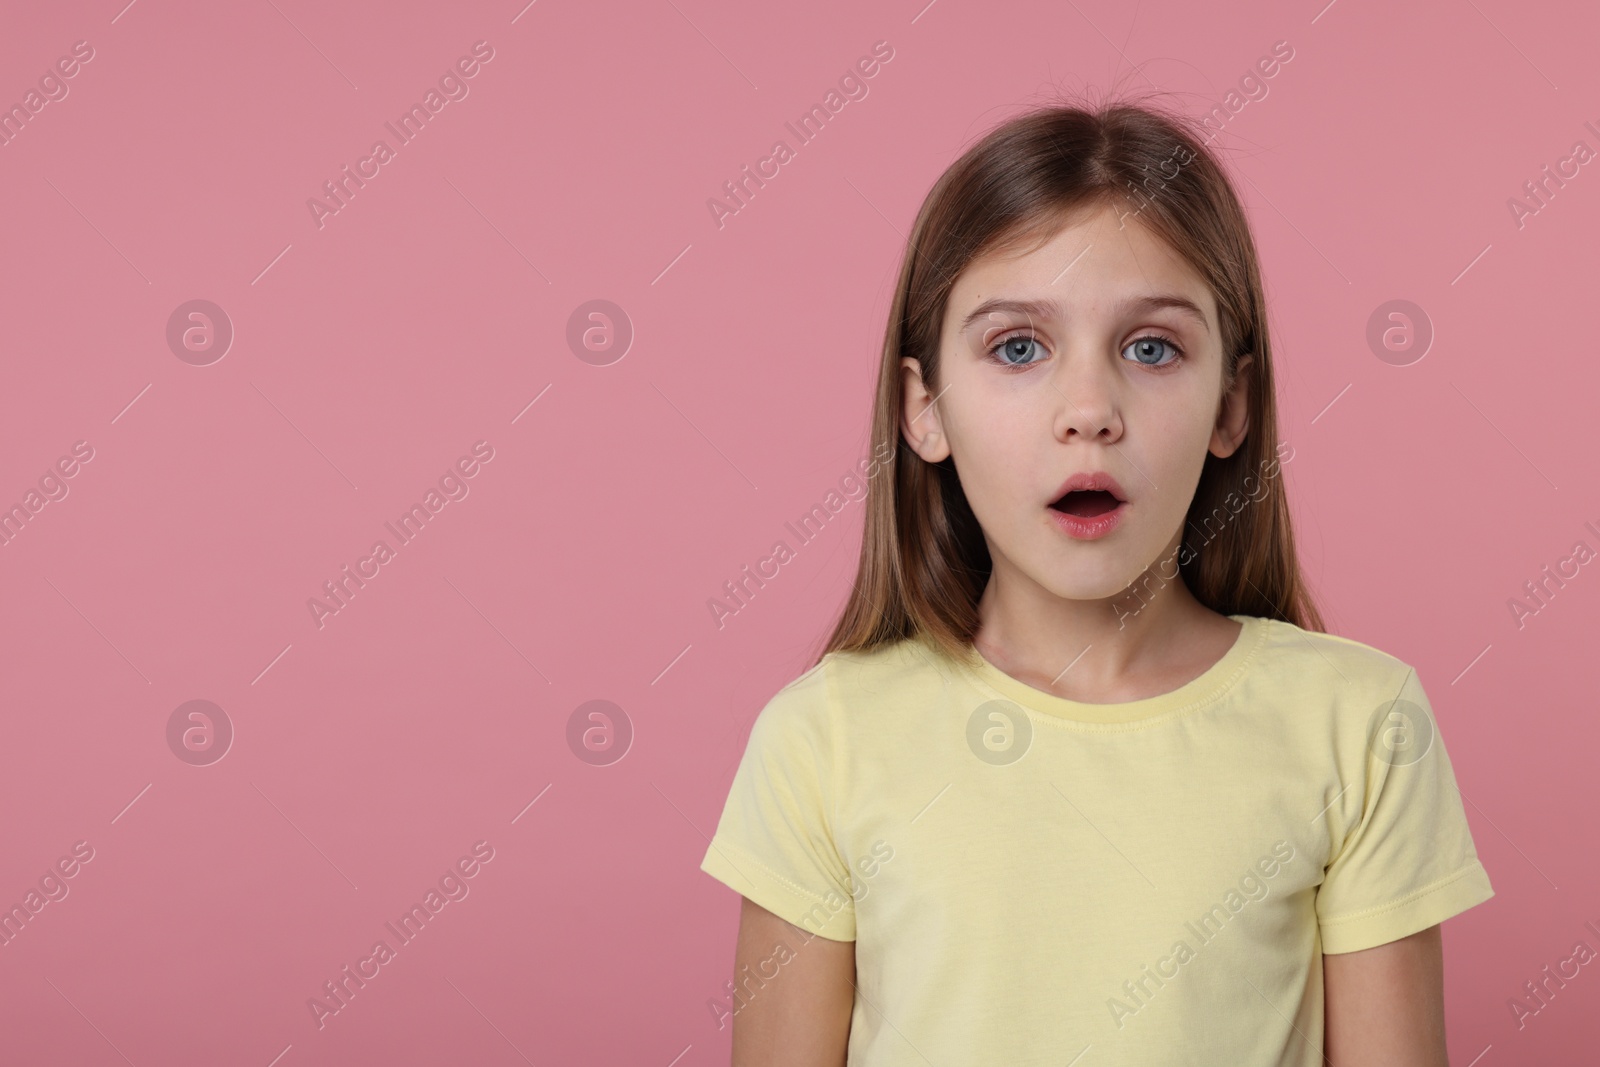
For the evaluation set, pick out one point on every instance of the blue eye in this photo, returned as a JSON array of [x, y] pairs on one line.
[[1019, 346], [1147, 351], [1022, 350]]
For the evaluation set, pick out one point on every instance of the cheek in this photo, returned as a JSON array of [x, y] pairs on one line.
[[994, 469], [1178, 427], [1171, 449], [999, 459], [1183, 453]]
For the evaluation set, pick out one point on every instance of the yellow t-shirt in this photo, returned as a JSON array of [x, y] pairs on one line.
[[1028, 878]]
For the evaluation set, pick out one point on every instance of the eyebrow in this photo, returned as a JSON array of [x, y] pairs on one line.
[[1044, 309]]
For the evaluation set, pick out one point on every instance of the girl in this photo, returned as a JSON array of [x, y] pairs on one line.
[[1078, 779]]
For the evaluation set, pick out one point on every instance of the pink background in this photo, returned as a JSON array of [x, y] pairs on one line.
[[369, 354]]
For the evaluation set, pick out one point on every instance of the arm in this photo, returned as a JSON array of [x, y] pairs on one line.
[[1384, 1006], [800, 1016]]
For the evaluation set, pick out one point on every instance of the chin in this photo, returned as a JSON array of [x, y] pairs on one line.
[[1086, 583]]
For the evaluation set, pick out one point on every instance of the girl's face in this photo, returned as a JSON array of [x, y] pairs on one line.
[[1098, 352]]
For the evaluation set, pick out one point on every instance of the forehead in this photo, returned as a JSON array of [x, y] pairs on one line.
[[1092, 262]]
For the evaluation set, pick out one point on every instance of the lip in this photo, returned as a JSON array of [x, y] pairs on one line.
[[1089, 529], [1089, 480]]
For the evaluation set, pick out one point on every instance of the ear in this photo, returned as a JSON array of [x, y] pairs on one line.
[[1233, 412], [919, 417]]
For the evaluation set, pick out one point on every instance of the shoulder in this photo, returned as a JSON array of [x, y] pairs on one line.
[[802, 706], [828, 695], [902, 662], [1335, 694], [1311, 661]]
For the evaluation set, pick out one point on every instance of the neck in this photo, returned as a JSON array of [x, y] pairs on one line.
[[1088, 646]]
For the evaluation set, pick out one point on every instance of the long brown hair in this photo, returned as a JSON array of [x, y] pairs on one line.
[[924, 562]]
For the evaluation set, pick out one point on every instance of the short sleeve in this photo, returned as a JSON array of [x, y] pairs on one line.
[[1408, 862], [774, 843]]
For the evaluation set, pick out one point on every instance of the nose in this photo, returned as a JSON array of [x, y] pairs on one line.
[[1088, 392]]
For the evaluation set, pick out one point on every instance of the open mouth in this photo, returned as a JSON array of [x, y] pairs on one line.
[[1086, 503]]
